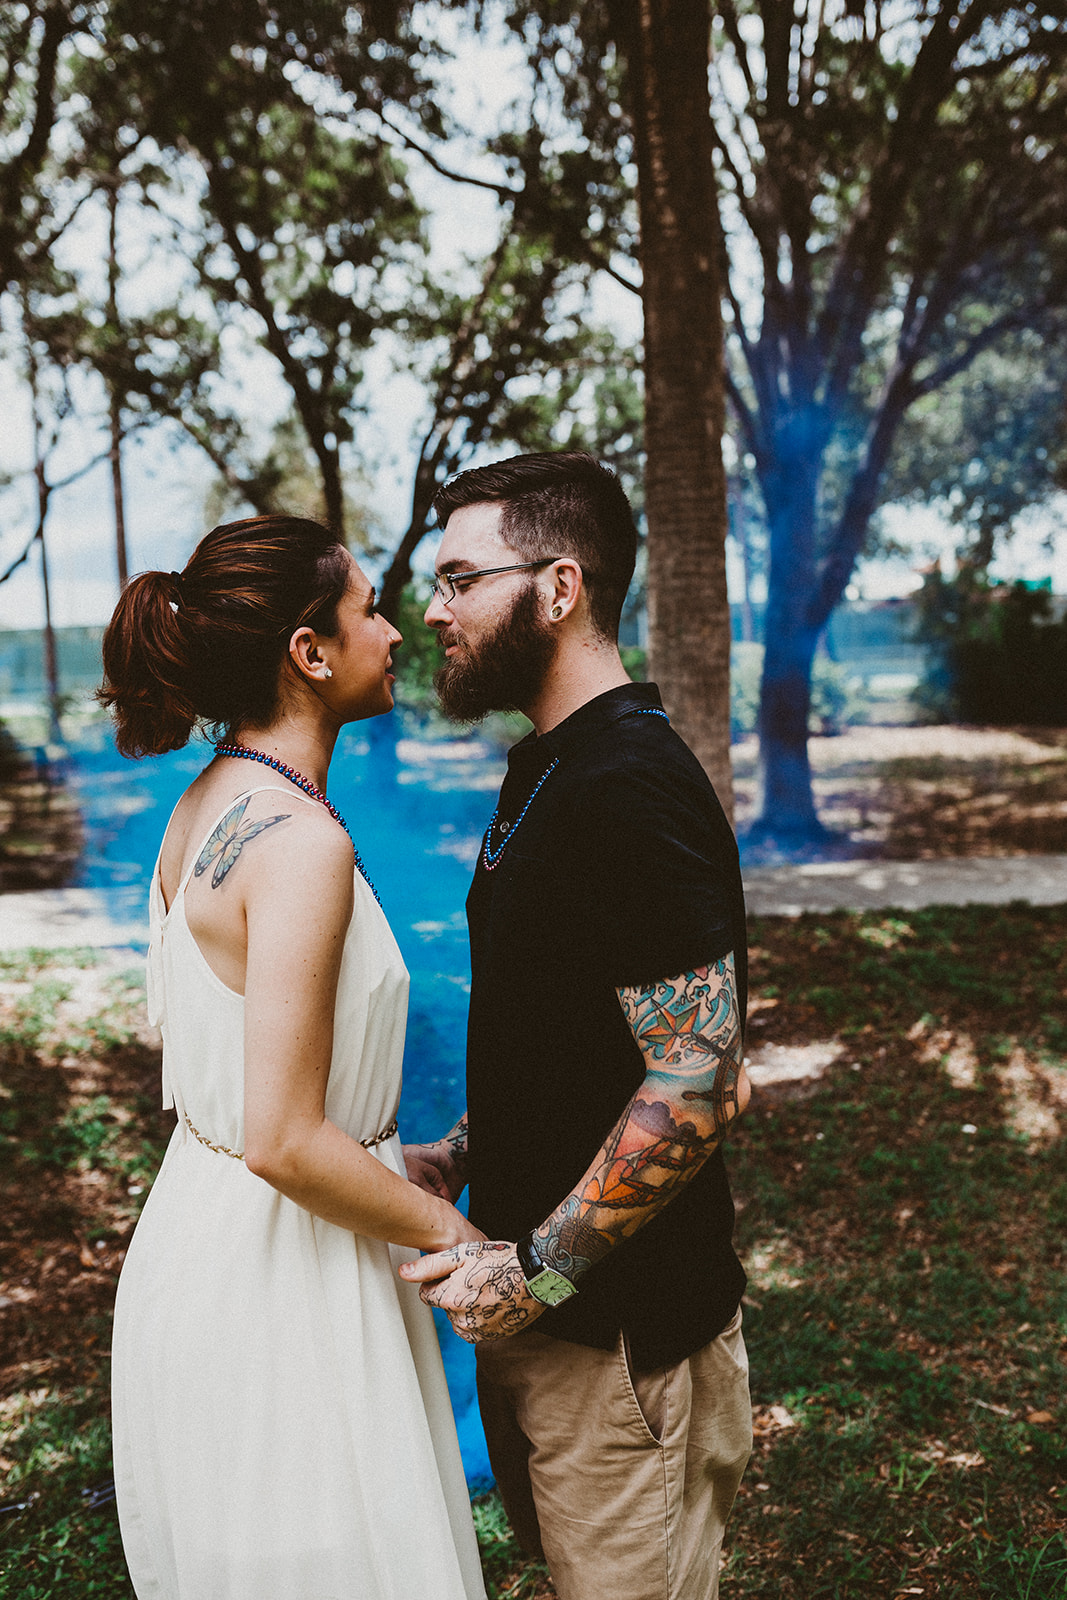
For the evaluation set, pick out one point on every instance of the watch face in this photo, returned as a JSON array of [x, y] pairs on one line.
[[550, 1287]]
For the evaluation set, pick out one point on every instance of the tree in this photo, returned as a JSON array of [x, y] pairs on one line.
[[35, 41], [989, 447], [893, 197], [622, 95], [899, 180], [51, 404], [666, 45], [509, 366], [997, 655], [307, 228]]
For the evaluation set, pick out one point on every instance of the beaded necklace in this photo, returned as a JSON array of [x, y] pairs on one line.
[[243, 752], [490, 857]]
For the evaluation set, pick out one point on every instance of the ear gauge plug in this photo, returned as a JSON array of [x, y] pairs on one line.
[[557, 612]]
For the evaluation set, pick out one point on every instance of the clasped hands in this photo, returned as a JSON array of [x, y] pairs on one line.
[[480, 1286]]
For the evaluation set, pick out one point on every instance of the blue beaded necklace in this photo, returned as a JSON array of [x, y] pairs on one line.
[[490, 857], [243, 752]]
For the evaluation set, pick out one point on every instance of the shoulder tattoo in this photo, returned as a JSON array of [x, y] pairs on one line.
[[229, 839]]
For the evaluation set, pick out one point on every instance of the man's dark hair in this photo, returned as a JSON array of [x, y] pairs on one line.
[[560, 503]]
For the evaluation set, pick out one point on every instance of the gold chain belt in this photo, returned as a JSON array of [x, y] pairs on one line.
[[239, 1155]]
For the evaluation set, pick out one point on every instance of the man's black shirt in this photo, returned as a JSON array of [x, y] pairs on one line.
[[621, 870]]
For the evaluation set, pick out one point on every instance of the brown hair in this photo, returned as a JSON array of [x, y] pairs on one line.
[[209, 644], [559, 503]]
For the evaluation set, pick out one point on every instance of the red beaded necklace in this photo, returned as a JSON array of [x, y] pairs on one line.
[[243, 752]]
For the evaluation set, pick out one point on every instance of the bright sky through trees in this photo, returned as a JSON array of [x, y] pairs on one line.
[[167, 483]]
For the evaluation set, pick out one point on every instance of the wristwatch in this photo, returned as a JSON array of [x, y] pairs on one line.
[[544, 1284]]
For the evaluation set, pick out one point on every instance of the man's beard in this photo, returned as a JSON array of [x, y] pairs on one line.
[[505, 671]]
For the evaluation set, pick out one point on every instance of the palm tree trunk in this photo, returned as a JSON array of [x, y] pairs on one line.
[[667, 46], [115, 395]]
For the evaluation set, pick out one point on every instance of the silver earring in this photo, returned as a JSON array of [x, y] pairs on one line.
[[326, 672], [557, 612]]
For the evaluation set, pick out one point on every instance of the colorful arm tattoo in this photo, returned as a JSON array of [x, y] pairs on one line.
[[689, 1032], [229, 839]]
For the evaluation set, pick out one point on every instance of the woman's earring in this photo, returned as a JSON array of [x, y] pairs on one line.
[[557, 612], [326, 672]]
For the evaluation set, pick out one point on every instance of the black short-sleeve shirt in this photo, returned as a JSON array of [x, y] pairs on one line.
[[610, 863]]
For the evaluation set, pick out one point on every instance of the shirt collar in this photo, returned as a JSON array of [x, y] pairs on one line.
[[534, 754]]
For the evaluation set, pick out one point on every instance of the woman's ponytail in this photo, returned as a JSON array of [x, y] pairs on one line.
[[147, 671]]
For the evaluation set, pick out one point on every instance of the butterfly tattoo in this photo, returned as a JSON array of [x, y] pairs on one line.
[[229, 839]]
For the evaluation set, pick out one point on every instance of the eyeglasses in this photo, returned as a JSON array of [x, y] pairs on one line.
[[444, 584]]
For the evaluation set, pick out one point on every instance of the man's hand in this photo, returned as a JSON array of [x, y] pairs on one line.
[[428, 1167], [480, 1286], [440, 1168]]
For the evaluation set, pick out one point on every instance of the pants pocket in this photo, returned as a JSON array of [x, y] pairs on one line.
[[646, 1394]]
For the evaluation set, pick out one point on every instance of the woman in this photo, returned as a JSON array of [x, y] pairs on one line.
[[282, 1427]]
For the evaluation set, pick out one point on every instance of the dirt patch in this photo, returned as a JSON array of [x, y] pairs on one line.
[[82, 1135], [907, 794]]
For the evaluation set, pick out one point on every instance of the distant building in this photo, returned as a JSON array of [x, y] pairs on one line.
[[22, 673]]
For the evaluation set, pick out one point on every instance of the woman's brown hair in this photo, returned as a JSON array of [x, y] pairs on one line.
[[209, 644]]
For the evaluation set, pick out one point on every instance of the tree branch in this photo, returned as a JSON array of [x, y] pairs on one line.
[[503, 191]]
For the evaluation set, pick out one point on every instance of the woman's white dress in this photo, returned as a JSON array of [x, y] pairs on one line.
[[282, 1426]]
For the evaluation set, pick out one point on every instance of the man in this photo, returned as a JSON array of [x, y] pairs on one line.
[[603, 1059]]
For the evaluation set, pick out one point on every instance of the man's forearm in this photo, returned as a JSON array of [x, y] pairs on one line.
[[689, 1032]]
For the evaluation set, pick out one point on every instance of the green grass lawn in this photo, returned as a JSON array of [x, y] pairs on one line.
[[903, 1227]]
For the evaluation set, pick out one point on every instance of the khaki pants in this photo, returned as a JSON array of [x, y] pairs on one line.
[[622, 1481]]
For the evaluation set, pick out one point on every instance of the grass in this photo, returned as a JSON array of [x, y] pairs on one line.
[[903, 1227], [904, 1230]]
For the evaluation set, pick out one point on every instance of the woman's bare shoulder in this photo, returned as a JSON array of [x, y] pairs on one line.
[[276, 835]]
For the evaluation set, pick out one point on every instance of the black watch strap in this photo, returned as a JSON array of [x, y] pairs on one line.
[[543, 1282]]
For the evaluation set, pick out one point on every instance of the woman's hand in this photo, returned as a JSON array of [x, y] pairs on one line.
[[466, 1232], [482, 1290]]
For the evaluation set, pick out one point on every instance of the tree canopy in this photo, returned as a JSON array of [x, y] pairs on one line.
[[874, 198]]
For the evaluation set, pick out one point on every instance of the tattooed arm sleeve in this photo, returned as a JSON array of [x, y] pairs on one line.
[[689, 1032]]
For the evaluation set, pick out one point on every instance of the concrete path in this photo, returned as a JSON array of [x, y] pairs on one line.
[[56, 919], [61, 919], [870, 885]]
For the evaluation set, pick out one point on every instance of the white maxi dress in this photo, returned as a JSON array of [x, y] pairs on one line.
[[282, 1426]]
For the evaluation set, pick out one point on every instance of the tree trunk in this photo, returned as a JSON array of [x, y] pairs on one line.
[[44, 495], [118, 498], [398, 575], [667, 46], [786, 806], [114, 395], [51, 659]]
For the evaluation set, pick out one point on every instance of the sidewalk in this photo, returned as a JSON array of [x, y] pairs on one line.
[[909, 885], [56, 919], [62, 919]]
